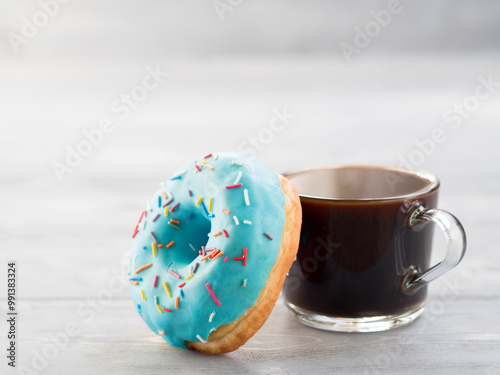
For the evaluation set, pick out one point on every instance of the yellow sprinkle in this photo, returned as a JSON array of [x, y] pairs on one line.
[[170, 244], [190, 276], [159, 308], [143, 295], [210, 205], [199, 201], [166, 211], [203, 162], [153, 246], [166, 289], [226, 211]]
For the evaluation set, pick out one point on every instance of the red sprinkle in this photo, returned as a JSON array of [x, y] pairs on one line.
[[212, 295], [167, 310], [244, 256], [197, 167], [268, 235], [181, 285], [206, 157], [238, 258], [173, 273], [234, 186], [214, 253], [225, 233], [156, 281], [135, 233]]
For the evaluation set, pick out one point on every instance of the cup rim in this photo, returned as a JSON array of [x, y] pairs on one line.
[[431, 186]]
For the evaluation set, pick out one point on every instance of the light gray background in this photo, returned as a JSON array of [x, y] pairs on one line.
[[227, 79]]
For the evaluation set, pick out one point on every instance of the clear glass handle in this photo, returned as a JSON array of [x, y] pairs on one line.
[[455, 239]]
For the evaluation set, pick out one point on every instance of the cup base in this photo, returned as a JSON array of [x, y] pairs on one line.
[[371, 324]]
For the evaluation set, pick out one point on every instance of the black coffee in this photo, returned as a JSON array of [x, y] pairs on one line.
[[354, 254]]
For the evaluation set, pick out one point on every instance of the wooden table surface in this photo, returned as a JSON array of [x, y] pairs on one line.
[[69, 237]]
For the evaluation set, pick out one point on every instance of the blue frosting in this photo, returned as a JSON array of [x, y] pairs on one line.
[[235, 286]]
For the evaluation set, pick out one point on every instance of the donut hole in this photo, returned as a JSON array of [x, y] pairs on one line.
[[194, 235]]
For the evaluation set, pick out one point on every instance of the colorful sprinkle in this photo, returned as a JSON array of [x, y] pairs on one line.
[[190, 193], [212, 294], [190, 276], [157, 301], [143, 268], [217, 234], [206, 157], [218, 255], [159, 200], [209, 167], [174, 207], [247, 222], [167, 310], [210, 205], [236, 220], [225, 259], [205, 257], [214, 253], [134, 283], [238, 178], [181, 285], [244, 256], [154, 237], [156, 217], [211, 317], [161, 332], [163, 195], [166, 211], [225, 233], [143, 295], [244, 283], [199, 201], [135, 233], [247, 201], [195, 268], [268, 235], [226, 211], [234, 186], [204, 208], [174, 225], [135, 279], [173, 273], [168, 202], [237, 163], [197, 167], [176, 302], [159, 308], [199, 338], [176, 178], [192, 247], [181, 294], [174, 221], [170, 244], [155, 282], [153, 246], [166, 289]]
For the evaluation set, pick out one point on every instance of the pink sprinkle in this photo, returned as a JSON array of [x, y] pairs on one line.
[[154, 238], [234, 186], [190, 193], [156, 217], [268, 235], [173, 273], [225, 259], [195, 268], [206, 157], [225, 233], [156, 281], [212, 295]]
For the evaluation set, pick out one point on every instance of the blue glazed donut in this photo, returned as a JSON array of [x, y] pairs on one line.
[[211, 251]]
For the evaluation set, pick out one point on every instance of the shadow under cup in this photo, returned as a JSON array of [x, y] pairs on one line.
[[365, 247]]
